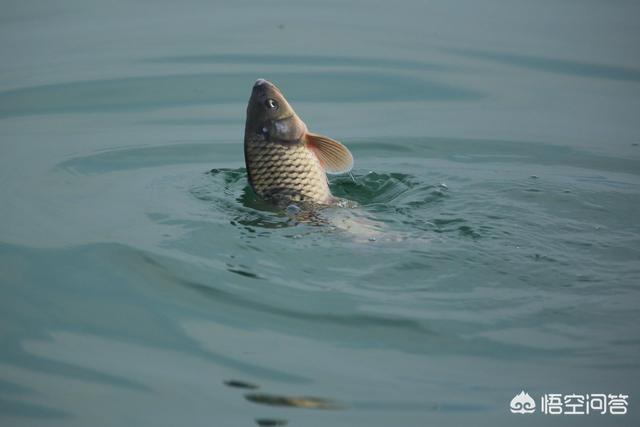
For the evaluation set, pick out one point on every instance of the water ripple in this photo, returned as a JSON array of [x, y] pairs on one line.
[[157, 92], [312, 60], [382, 196], [554, 65]]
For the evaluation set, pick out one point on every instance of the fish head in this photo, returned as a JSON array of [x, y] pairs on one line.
[[270, 114]]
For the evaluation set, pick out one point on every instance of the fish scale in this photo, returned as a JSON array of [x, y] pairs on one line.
[[272, 166], [285, 162]]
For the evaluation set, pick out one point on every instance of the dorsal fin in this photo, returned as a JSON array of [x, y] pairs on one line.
[[333, 156]]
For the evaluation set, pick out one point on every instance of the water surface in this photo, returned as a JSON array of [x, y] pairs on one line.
[[496, 247]]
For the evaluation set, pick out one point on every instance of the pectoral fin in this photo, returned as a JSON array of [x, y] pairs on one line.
[[333, 156]]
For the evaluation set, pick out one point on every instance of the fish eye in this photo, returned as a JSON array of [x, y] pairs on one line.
[[271, 104]]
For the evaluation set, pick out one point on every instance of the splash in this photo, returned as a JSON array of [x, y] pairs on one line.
[[374, 206]]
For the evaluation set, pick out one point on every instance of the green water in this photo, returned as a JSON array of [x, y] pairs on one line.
[[496, 247]]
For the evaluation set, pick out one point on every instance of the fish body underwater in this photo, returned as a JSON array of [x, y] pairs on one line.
[[286, 163]]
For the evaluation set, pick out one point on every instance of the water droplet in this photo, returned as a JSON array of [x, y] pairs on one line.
[[353, 178]]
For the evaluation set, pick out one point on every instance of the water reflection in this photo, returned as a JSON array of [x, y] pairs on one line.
[[241, 384], [271, 422], [305, 402]]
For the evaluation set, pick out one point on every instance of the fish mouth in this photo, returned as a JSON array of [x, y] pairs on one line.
[[262, 85], [261, 82]]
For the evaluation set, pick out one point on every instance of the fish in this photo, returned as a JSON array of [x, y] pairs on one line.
[[287, 164]]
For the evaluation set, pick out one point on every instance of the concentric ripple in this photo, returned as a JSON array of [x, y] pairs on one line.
[[382, 198]]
